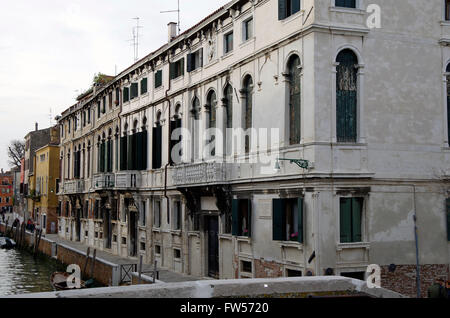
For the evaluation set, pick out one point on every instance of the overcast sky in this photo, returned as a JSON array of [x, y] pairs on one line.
[[50, 51]]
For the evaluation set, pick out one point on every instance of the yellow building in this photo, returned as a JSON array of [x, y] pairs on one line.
[[46, 180]]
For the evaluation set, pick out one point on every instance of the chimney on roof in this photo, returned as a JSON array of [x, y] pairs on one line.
[[36, 125], [172, 31]]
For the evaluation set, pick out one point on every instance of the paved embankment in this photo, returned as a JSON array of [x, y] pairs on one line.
[[328, 286]]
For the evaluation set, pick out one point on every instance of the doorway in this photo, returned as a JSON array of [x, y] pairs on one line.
[[212, 229], [78, 225], [107, 228], [133, 233]]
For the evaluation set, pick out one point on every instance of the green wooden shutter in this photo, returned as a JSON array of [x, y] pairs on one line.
[[357, 204], [281, 9], [172, 70], [144, 86], [235, 217], [345, 220], [295, 5], [278, 219], [189, 62], [181, 66], [301, 238], [448, 219]]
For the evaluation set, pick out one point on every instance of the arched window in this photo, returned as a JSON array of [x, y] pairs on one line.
[[248, 108], [228, 93], [346, 96], [448, 102], [294, 100], [211, 102], [157, 142], [176, 123], [195, 133], [124, 149]]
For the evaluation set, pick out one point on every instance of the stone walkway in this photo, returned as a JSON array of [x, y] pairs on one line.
[[165, 275]]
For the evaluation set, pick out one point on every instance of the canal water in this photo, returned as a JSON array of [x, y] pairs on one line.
[[21, 273]]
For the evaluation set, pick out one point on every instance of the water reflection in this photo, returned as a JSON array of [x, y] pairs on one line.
[[20, 273]]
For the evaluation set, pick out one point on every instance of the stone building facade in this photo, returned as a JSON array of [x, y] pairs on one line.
[[366, 119]]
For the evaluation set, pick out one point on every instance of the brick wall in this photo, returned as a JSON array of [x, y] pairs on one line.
[[403, 279], [102, 272], [264, 269]]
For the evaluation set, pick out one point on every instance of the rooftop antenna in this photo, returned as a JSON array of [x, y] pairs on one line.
[[178, 11], [135, 39]]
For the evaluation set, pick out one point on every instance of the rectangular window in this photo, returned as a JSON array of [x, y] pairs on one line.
[[350, 219], [134, 91], [104, 105], [142, 214], [157, 215], [142, 246], [346, 3], [126, 94], [98, 110], [228, 42], [110, 97], [177, 215], [288, 220], [143, 86], [177, 253], [246, 266], [177, 69], [242, 217], [117, 96], [89, 115], [247, 32], [293, 273], [195, 60], [158, 79], [286, 8]]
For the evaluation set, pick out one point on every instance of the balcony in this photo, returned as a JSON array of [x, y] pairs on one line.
[[199, 173], [128, 179], [104, 181], [73, 186]]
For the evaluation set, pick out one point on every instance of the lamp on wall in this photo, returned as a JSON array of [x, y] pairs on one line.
[[302, 163]]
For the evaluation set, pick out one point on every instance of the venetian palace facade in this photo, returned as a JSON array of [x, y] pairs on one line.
[[365, 108]]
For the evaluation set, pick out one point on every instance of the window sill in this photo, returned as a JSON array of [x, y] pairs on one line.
[[293, 244], [226, 236], [197, 70], [346, 246], [194, 233], [176, 232], [247, 42], [293, 17], [445, 23], [348, 10], [227, 55], [177, 79], [244, 239], [142, 227], [157, 230]]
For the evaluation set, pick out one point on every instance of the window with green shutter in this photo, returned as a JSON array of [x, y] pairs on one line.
[[157, 147], [346, 96], [134, 90], [286, 8], [177, 69], [123, 153], [350, 220], [158, 78], [126, 94], [143, 86], [287, 220], [241, 217]]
